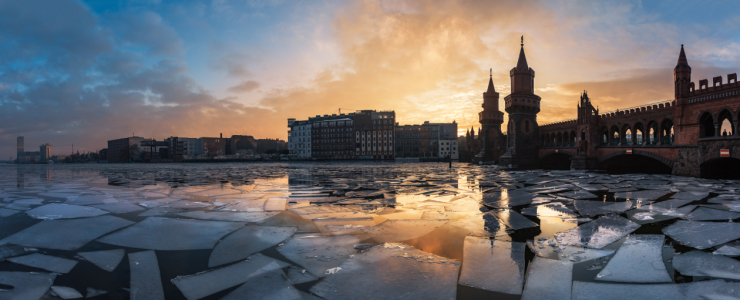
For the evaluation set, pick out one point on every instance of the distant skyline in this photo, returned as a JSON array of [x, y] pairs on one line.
[[85, 72]]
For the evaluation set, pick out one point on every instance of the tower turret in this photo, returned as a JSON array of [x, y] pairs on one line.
[[682, 75]]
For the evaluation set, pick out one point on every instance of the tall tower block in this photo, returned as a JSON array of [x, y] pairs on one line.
[[490, 119], [21, 147], [522, 105]]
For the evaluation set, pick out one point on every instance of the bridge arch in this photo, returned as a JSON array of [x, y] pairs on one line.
[[614, 135], [666, 131], [556, 160], [639, 133], [706, 124], [627, 134], [652, 132], [725, 115], [639, 161]]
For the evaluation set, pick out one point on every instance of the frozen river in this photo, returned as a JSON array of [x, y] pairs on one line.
[[362, 231]]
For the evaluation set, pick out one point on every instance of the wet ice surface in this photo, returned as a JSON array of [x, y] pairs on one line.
[[354, 230]]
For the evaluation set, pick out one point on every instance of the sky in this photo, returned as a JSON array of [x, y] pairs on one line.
[[85, 72]]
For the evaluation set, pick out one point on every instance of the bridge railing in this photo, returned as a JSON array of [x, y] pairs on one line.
[[638, 108]]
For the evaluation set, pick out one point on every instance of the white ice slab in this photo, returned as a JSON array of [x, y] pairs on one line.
[[244, 205], [548, 279], [247, 241], [709, 214], [598, 233], [66, 292], [4, 212], [106, 259], [157, 233], [729, 249], [512, 219], [319, 253], [493, 265], [391, 271], [593, 207], [29, 201], [54, 211], [26, 286], [275, 203], [715, 289], [638, 260], [567, 253], [250, 217], [119, 207], [703, 235], [200, 285], [298, 275], [699, 263], [146, 281], [91, 199], [484, 224], [554, 209], [93, 292], [65, 234], [46, 262], [402, 230], [267, 283]]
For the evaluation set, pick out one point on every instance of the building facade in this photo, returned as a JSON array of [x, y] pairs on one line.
[[422, 141], [374, 133], [449, 148], [45, 151], [332, 136], [124, 150], [299, 139]]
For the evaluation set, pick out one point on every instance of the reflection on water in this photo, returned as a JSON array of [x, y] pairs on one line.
[[425, 206]]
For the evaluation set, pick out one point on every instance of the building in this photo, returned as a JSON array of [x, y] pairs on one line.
[[299, 139], [522, 106], [417, 141], [269, 145], [213, 146], [332, 136], [192, 147], [242, 145], [103, 155], [449, 147], [21, 147], [45, 151], [124, 150], [374, 133]]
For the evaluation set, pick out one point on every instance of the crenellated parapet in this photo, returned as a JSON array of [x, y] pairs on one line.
[[666, 105]]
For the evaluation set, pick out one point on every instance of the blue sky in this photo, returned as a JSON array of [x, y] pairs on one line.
[[86, 72]]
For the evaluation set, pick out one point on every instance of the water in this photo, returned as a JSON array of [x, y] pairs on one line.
[[399, 229]]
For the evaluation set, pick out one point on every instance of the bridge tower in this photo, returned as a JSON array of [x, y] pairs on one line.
[[522, 106], [587, 133], [682, 76], [490, 119]]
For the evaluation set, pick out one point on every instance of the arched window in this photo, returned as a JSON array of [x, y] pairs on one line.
[[614, 135], [652, 131], [706, 125], [727, 128], [627, 137], [666, 132], [639, 134], [526, 125]]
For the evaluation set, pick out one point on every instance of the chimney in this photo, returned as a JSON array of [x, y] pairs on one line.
[[221, 135]]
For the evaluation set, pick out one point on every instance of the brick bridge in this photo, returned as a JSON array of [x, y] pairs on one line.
[[695, 134]]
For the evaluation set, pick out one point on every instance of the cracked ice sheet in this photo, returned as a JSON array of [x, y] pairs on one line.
[[157, 233], [702, 235], [710, 214], [506, 199], [383, 272], [484, 224], [402, 230], [638, 260], [46, 262], [91, 199], [66, 292], [593, 208], [119, 207], [319, 253], [249, 217], [554, 209], [730, 249], [493, 265], [7, 212], [598, 233], [63, 211], [714, 289], [512, 219], [267, 283], [146, 281], [200, 285], [247, 241], [567, 253], [548, 279], [26, 286], [642, 197], [106, 259], [65, 234], [699, 263]]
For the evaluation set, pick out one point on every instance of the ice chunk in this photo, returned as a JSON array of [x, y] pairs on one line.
[[63, 211], [506, 199], [161, 211], [146, 281], [484, 224], [323, 223], [638, 260], [702, 235], [548, 279], [119, 207], [298, 276], [730, 249], [106, 259], [10, 251], [709, 214], [66, 292], [157, 233], [715, 289], [29, 201], [319, 253], [598, 233], [247, 241], [26, 286], [46, 262], [200, 285], [690, 195], [250, 217], [275, 203], [4, 212], [91, 199], [156, 203], [698, 263], [569, 253], [592, 208], [268, 283], [402, 230], [512, 220], [66, 234], [327, 211], [554, 209], [386, 273], [493, 265], [643, 197], [92, 292], [582, 194]]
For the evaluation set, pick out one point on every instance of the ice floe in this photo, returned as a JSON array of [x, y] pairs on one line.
[[106, 259], [319, 253], [638, 260], [702, 235], [699, 263], [548, 280], [46, 262], [157, 233], [26, 285], [146, 281], [66, 234], [54, 211], [493, 265], [401, 230], [246, 241]]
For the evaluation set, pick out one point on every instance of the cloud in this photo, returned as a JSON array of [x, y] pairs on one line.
[[245, 87]]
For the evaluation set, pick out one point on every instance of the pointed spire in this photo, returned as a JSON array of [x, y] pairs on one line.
[[522, 63], [491, 89], [682, 58]]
